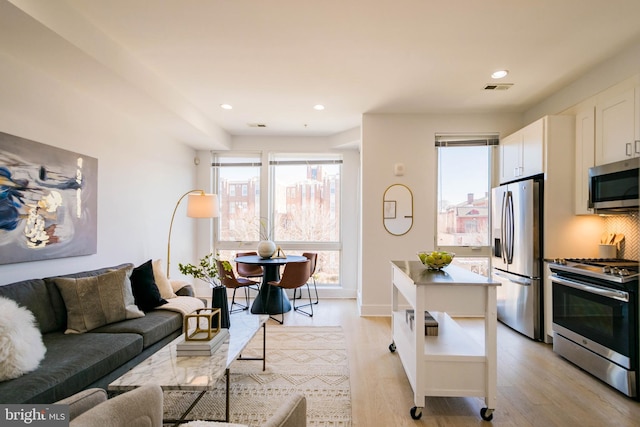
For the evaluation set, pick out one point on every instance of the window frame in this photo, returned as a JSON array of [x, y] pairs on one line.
[[491, 140], [267, 211]]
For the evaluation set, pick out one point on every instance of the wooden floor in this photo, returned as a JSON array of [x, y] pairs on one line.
[[535, 386]]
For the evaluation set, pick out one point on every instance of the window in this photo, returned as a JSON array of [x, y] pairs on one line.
[[306, 208], [239, 210], [301, 211], [464, 181]]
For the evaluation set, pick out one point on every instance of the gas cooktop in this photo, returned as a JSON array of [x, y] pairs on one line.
[[608, 269]]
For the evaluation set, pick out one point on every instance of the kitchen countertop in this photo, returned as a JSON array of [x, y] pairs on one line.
[[451, 275]]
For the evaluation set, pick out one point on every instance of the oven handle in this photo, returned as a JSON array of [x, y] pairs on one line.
[[607, 293]]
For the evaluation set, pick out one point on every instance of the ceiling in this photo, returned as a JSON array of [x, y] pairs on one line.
[[273, 60]]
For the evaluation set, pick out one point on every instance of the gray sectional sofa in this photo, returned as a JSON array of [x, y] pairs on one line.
[[74, 362]]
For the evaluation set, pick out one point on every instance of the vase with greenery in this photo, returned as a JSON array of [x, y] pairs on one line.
[[207, 271]]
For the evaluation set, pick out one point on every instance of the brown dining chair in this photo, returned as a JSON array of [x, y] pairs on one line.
[[313, 259], [295, 275], [248, 271], [230, 281]]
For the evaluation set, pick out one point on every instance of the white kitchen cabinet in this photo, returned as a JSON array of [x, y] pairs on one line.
[[510, 155], [522, 153], [585, 157], [618, 127], [455, 362]]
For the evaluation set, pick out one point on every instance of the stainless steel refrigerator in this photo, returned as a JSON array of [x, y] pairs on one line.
[[516, 217]]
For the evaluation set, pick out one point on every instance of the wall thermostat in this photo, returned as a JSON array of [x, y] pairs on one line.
[[398, 169]]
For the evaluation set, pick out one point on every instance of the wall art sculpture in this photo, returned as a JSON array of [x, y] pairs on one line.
[[48, 201]]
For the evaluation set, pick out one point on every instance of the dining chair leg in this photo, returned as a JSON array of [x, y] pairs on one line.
[[281, 308], [233, 302], [315, 288], [310, 304]]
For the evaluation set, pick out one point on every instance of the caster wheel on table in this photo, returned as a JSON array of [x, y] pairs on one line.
[[486, 414], [392, 347], [416, 413]]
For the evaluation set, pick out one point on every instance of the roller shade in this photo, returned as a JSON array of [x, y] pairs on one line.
[[462, 140]]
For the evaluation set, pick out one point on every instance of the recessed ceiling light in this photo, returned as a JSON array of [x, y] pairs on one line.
[[226, 106], [499, 74], [318, 107]]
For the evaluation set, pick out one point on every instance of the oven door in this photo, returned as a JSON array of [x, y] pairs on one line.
[[598, 318]]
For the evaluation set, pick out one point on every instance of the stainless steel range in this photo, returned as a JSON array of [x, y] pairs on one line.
[[595, 318]]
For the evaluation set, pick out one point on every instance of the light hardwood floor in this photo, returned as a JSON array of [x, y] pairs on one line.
[[535, 386]]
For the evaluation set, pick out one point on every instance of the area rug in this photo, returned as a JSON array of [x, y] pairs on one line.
[[310, 360]]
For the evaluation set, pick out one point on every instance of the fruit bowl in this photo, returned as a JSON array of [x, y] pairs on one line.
[[436, 260]]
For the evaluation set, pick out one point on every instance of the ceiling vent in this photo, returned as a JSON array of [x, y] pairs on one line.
[[498, 86], [257, 125]]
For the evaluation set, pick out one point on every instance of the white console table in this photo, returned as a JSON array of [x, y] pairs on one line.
[[452, 363]]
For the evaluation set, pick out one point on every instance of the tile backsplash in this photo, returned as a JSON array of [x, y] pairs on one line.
[[629, 226]]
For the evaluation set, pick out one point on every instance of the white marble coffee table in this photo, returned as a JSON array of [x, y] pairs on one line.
[[195, 373]]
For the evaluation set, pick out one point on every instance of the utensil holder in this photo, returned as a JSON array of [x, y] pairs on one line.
[[608, 251]]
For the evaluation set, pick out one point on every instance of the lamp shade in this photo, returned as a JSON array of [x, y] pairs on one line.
[[202, 206]]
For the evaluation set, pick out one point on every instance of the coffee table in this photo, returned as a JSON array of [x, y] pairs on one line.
[[199, 373]]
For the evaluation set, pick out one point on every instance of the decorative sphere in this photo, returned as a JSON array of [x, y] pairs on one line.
[[266, 248]]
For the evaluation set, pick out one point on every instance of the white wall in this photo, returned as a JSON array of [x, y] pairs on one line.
[[141, 173], [408, 139]]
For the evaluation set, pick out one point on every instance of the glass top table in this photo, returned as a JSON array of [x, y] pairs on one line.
[[195, 373]]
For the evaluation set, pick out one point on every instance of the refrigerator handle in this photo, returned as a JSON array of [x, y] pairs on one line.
[[503, 227], [510, 228]]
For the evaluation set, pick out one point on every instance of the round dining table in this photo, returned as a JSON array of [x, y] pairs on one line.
[[271, 269]]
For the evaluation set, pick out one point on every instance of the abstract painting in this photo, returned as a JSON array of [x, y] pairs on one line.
[[48, 201]]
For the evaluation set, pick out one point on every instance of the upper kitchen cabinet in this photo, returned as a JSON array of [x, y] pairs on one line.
[[585, 157], [522, 153], [618, 127]]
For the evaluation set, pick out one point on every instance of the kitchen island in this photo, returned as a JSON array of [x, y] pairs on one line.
[[453, 363]]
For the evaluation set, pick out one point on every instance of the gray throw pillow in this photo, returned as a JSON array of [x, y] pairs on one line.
[[98, 300]]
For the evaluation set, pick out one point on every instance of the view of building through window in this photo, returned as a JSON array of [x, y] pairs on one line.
[[238, 188], [463, 202], [307, 209], [304, 192]]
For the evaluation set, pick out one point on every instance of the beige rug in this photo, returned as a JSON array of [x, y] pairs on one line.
[[309, 360]]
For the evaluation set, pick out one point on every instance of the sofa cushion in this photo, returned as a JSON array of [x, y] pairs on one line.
[[71, 363], [35, 296], [154, 326], [59, 309], [145, 291], [97, 300]]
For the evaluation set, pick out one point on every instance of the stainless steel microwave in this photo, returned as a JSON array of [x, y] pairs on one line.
[[614, 187]]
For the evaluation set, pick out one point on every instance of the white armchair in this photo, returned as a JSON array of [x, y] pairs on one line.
[[142, 407]]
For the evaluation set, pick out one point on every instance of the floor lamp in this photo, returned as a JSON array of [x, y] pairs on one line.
[[199, 205]]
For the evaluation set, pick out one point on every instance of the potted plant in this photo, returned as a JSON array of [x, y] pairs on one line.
[[207, 271]]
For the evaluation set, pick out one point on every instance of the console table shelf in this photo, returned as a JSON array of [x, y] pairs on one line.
[[453, 363]]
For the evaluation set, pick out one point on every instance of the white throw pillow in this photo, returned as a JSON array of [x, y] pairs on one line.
[[21, 347], [162, 281], [176, 285]]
